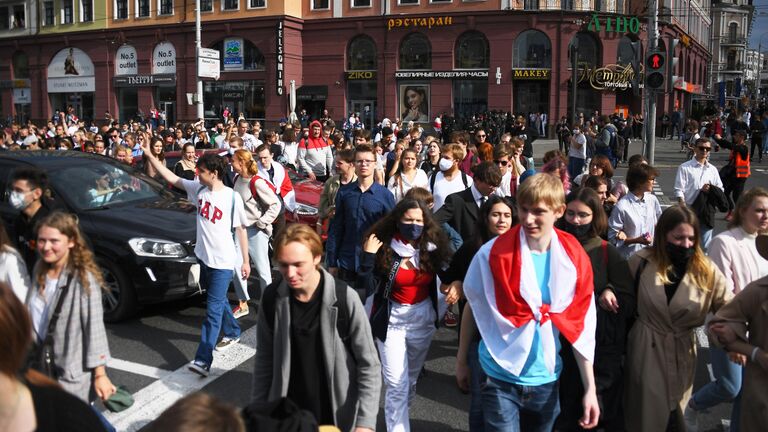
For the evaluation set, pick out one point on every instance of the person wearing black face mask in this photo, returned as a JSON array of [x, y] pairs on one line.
[[585, 219], [676, 286], [403, 254]]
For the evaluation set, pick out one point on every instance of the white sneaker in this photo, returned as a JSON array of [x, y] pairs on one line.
[[226, 343], [691, 419]]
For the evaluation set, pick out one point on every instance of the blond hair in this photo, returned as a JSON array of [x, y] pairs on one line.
[[541, 187], [456, 151], [299, 233], [742, 205], [245, 157]]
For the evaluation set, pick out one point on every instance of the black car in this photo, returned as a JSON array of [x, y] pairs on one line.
[[143, 235]]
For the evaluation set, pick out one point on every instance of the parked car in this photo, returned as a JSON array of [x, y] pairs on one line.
[[143, 236]]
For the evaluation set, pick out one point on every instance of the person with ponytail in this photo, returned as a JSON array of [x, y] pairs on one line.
[[67, 273], [676, 287], [261, 209]]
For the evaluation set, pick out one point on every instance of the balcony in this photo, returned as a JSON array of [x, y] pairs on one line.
[[731, 68], [733, 41]]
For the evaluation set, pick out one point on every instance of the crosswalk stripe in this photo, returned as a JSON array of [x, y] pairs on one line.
[[137, 368]]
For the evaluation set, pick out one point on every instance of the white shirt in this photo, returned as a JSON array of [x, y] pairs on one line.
[[692, 176], [634, 217], [444, 187], [13, 272], [580, 153], [399, 189], [215, 245], [38, 308], [479, 198], [505, 187], [250, 142]]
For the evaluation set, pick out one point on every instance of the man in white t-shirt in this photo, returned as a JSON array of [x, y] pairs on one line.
[[577, 153], [450, 178], [220, 216], [250, 142]]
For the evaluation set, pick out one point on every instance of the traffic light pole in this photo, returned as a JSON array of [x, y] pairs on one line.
[[650, 122]]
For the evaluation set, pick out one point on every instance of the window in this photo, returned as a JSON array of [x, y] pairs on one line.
[[86, 10], [440, 1], [361, 3], [142, 10], [121, 9], [733, 31], [625, 53], [48, 14], [408, 2], [620, 7], [166, 7], [599, 6], [361, 54], [531, 4], [415, 52], [19, 13], [230, 5], [320, 4], [252, 4], [532, 50], [206, 5], [20, 64], [247, 97], [252, 58], [472, 51], [589, 49], [470, 97], [67, 11], [5, 19], [566, 4]]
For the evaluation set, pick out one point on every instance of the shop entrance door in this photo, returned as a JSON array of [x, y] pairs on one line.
[[531, 97], [170, 112], [367, 110]]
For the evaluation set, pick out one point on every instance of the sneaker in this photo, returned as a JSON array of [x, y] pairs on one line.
[[239, 312], [691, 419], [200, 368], [226, 343], [450, 319]]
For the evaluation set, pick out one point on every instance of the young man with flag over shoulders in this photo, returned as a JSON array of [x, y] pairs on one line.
[[525, 288]]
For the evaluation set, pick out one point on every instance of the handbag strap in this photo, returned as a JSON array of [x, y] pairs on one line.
[[57, 310], [396, 260]]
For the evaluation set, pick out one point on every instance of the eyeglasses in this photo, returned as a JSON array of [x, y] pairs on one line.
[[501, 162], [705, 149], [365, 162], [480, 136]]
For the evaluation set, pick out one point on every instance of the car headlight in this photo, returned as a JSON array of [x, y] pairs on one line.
[[149, 247], [305, 210]]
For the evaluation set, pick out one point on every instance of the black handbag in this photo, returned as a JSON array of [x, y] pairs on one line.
[[41, 357], [381, 306]]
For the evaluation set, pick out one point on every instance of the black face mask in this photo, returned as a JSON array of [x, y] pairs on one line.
[[581, 232], [679, 255]]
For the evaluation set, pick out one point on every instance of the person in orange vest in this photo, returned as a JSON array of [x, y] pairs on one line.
[[735, 178]]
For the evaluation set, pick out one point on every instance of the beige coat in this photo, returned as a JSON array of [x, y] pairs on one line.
[[749, 312], [661, 350]]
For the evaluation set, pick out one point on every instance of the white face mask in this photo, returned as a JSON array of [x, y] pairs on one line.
[[17, 200], [445, 164]]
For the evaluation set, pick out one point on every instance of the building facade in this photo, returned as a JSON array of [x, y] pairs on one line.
[[731, 23], [409, 59]]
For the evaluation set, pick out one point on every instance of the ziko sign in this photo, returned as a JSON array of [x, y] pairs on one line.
[[614, 24]]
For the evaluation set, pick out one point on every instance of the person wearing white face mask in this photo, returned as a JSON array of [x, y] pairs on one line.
[[450, 178], [27, 196]]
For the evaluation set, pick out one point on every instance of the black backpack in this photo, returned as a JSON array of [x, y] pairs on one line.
[[433, 178]]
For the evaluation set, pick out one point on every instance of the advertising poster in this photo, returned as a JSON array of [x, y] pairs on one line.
[[414, 102], [233, 54]]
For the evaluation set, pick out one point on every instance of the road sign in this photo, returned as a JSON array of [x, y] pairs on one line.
[[208, 63]]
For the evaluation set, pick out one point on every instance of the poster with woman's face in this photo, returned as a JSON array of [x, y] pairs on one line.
[[414, 103]]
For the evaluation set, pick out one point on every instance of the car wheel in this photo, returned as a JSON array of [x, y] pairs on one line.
[[118, 298]]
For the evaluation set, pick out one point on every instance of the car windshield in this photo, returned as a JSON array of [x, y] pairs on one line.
[[99, 185]]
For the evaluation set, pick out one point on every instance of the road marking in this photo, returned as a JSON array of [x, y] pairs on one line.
[[155, 398], [137, 368]]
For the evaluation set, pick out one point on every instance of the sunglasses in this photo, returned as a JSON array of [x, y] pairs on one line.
[[480, 136], [501, 162], [705, 149]]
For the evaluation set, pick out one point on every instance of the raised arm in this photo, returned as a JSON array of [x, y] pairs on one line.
[[160, 167]]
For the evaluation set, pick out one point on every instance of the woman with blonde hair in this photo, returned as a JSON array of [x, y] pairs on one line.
[[261, 209], [65, 305], [676, 287]]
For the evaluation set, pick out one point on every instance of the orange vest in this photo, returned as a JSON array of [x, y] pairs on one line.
[[742, 165]]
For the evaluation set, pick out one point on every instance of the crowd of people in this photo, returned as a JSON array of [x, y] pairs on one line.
[[576, 296]]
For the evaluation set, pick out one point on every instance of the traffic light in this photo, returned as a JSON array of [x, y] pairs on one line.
[[672, 64], [655, 67]]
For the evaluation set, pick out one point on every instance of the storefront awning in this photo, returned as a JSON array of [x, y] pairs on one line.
[[312, 93]]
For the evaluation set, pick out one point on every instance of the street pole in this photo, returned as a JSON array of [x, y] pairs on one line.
[[574, 79], [653, 36], [198, 45]]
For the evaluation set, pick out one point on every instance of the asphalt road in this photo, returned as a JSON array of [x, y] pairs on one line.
[[150, 351]]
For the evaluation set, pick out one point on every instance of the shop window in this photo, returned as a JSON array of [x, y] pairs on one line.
[[86, 10], [230, 5], [19, 17], [470, 97], [67, 11], [415, 52], [165, 7], [252, 59], [253, 4], [121, 9], [320, 4], [531, 5], [361, 3], [142, 8], [206, 5], [532, 50], [361, 54], [247, 97], [5, 19], [588, 51], [472, 51], [20, 65], [49, 15]]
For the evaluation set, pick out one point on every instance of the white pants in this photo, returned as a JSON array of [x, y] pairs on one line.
[[258, 248], [409, 334]]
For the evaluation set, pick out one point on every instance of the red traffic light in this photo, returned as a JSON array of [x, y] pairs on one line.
[[655, 61]]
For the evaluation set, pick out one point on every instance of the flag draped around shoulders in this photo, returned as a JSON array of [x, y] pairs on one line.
[[503, 291]]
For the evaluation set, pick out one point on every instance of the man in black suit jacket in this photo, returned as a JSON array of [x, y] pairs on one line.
[[462, 209]]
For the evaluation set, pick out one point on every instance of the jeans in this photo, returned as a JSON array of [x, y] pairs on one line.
[[258, 248], [476, 379], [510, 407], [727, 382], [575, 166], [218, 314]]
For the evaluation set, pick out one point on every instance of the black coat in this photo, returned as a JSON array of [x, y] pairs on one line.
[[706, 204], [461, 212]]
